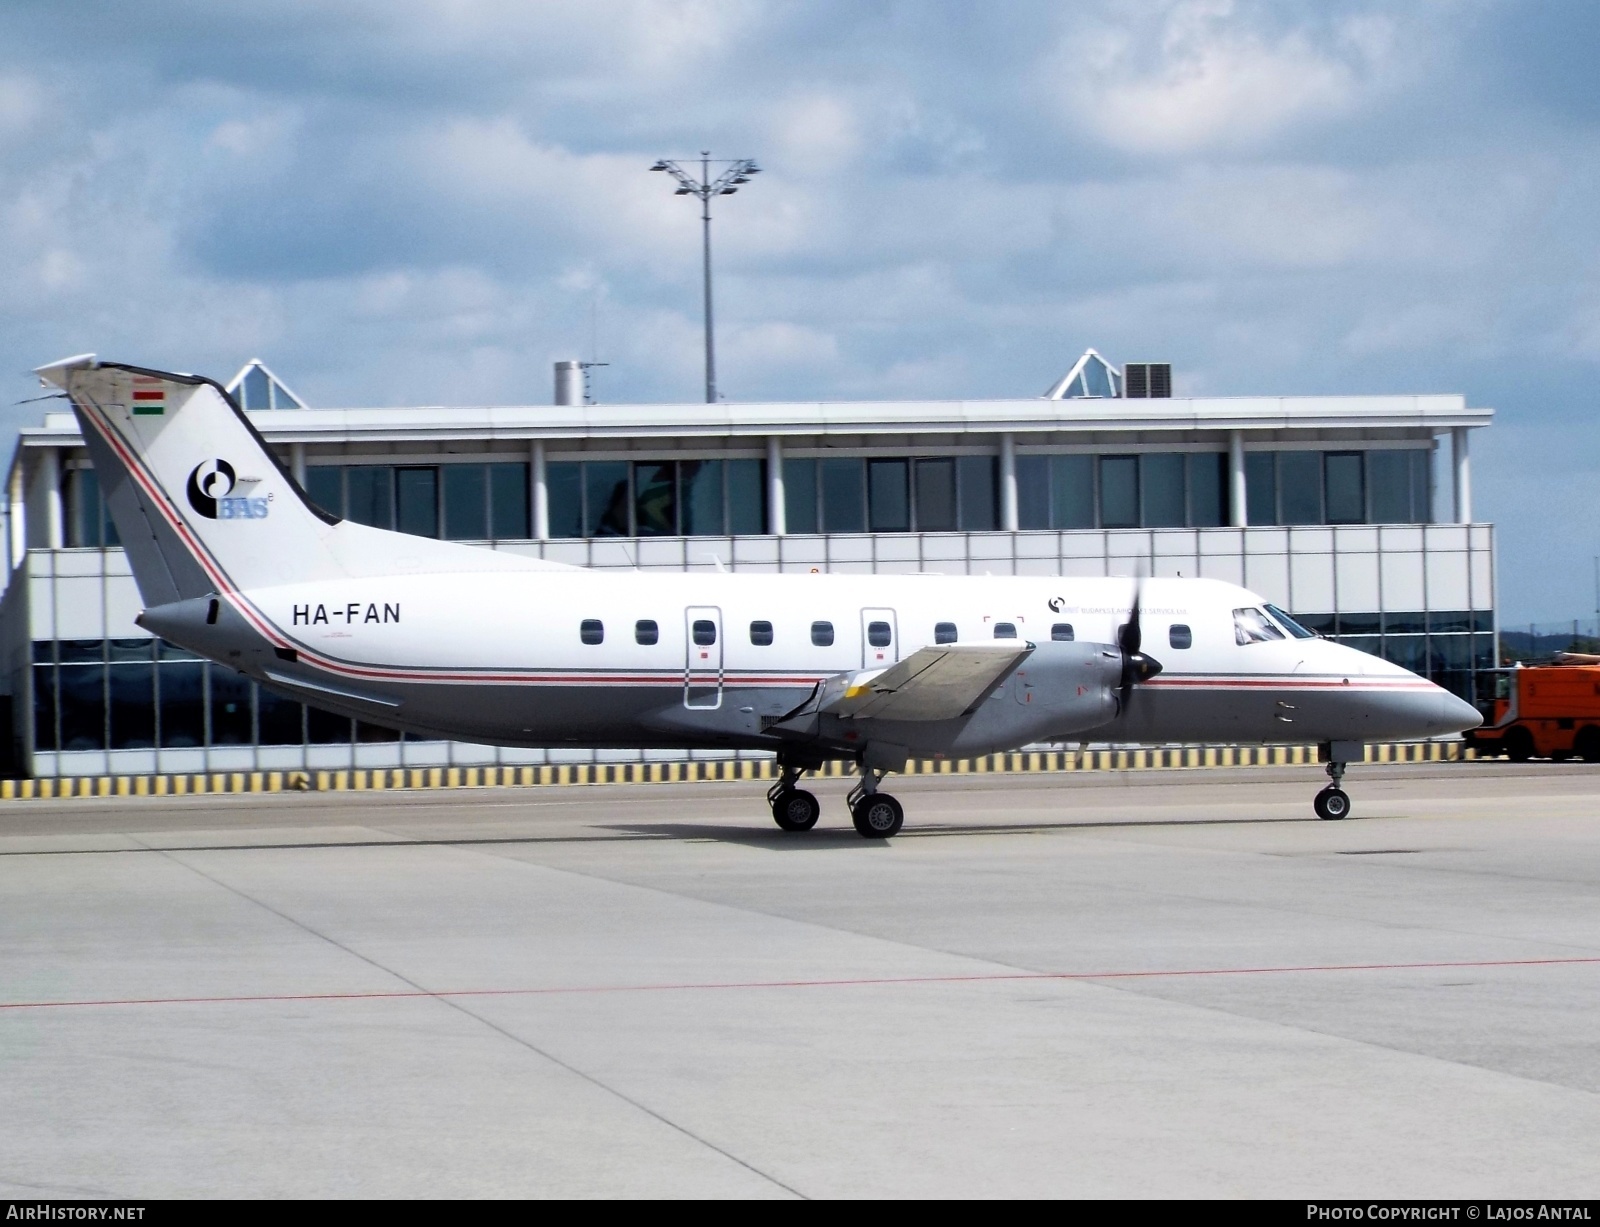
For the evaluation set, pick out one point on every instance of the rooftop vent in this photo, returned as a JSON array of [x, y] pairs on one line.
[[569, 383], [1147, 380]]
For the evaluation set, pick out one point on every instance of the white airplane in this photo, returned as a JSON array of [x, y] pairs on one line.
[[236, 563]]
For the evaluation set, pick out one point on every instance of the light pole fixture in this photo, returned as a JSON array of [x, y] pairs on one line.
[[737, 171]]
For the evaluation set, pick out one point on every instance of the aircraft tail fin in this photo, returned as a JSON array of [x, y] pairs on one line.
[[204, 506]]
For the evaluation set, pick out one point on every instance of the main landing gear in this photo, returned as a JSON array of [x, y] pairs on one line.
[[876, 815], [793, 809]]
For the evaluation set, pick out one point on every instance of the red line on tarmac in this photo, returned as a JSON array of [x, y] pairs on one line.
[[866, 982]]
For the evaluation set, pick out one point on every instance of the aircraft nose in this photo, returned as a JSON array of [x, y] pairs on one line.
[[1456, 714]]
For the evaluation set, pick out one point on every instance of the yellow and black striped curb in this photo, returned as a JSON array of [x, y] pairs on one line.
[[385, 778]]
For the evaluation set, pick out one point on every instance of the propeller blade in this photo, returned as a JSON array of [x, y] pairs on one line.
[[1136, 666]]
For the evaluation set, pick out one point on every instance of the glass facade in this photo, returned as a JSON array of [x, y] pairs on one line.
[[1344, 487], [138, 694], [853, 494], [1148, 490], [656, 498], [460, 502]]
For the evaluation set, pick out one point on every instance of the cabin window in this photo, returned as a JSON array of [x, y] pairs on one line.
[[1005, 630], [879, 635], [1253, 626], [1180, 636], [944, 632], [1061, 632], [646, 632], [592, 630], [761, 634], [822, 634], [704, 631]]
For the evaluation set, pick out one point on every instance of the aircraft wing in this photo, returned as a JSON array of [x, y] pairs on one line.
[[933, 683]]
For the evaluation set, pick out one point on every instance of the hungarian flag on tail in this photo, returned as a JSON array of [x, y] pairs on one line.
[[149, 396]]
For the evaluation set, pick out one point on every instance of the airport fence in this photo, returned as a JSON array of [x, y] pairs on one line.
[[1168, 758]]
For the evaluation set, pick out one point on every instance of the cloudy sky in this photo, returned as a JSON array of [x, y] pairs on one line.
[[428, 201]]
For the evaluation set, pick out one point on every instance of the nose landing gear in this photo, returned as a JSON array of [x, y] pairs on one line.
[[1333, 803]]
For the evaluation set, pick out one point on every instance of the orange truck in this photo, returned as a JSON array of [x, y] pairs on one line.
[[1544, 711]]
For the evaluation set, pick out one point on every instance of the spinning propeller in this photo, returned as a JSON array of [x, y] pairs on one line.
[[1136, 666]]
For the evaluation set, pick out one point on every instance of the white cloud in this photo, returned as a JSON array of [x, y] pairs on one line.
[[1206, 80]]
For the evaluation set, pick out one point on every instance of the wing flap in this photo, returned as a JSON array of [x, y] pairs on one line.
[[933, 683]]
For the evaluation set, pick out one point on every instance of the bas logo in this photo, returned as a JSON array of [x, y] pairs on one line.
[[211, 482]]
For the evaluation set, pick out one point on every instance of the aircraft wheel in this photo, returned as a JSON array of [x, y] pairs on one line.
[[1332, 804], [1519, 745], [796, 810], [878, 816]]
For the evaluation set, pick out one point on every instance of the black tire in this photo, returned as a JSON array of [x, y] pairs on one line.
[[878, 816], [796, 810], [1518, 743], [1587, 743], [1332, 804]]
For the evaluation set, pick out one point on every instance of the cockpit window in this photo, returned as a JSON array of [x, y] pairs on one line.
[[1289, 624], [1253, 626]]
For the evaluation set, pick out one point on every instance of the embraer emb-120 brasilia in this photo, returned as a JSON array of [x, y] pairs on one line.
[[235, 562]]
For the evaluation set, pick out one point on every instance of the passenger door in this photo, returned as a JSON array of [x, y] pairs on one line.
[[880, 638], [702, 665]]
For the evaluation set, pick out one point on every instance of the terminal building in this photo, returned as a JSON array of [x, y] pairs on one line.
[[1353, 512]]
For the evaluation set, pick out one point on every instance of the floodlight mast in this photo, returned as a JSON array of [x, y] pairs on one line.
[[739, 171]]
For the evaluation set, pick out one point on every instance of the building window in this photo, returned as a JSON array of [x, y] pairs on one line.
[[646, 632], [466, 501], [1161, 489], [1344, 488], [1300, 488], [564, 490], [800, 496], [181, 687], [89, 522], [1119, 492], [889, 496], [326, 728], [822, 634], [1208, 489], [606, 500], [656, 498], [977, 487], [1033, 492], [462, 502], [282, 720], [369, 490], [1072, 492], [761, 634], [1261, 487], [232, 722], [843, 489], [936, 495], [417, 501]]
